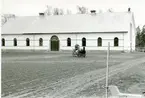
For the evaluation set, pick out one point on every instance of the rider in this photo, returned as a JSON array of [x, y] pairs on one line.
[[77, 47], [76, 50]]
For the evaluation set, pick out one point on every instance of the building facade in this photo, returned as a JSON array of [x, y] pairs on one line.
[[56, 33]]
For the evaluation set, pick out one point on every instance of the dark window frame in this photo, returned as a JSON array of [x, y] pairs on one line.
[[40, 42], [27, 42], [116, 42], [68, 41], [3, 42], [15, 42], [83, 41], [99, 41]]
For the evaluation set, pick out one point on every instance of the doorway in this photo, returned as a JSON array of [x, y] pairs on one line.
[[54, 43]]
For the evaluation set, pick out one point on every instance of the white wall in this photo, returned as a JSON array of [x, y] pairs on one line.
[[133, 33], [129, 37], [91, 41]]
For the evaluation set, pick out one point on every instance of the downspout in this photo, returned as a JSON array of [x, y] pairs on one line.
[[33, 42]]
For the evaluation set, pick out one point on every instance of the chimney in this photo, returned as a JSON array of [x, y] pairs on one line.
[[93, 12], [129, 9], [41, 14]]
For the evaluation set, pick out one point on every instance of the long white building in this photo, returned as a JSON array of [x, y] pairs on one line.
[[62, 32]]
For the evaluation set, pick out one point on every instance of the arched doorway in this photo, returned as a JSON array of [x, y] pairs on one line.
[[54, 43]]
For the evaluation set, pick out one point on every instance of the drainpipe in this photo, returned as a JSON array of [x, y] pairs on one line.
[[76, 38], [33, 42]]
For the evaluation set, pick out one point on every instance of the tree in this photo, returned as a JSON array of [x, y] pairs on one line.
[[48, 10], [53, 11], [140, 37], [68, 12], [110, 10], [61, 12], [143, 37], [57, 11], [82, 10], [3, 20], [6, 17]]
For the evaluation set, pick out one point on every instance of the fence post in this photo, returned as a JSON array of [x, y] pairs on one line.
[[107, 69]]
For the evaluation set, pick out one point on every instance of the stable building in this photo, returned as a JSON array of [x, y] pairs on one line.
[[62, 32]]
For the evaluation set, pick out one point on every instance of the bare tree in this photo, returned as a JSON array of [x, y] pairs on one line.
[[110, 10], [82, 10], [68, 12], [3, 20], [48, 10], [6, 17], [57, 11], [61, 12]]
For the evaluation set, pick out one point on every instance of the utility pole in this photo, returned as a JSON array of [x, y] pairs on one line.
[[107, 69]]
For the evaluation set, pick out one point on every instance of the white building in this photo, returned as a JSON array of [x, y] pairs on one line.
[[62, 32]]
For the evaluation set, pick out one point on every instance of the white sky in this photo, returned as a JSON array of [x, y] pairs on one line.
[[33, 7]]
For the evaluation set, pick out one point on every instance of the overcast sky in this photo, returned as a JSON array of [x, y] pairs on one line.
[[33, 7]]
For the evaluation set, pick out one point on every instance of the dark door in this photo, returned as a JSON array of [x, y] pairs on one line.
[[54, 43]]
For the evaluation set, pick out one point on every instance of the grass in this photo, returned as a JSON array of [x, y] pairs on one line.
[[131, 81]]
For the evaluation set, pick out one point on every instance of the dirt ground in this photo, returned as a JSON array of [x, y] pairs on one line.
[[59, 75]]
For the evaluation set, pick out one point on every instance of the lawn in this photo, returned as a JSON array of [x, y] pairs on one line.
[[51, 74]]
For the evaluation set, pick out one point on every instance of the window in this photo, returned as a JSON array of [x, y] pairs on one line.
[[99, 41], [3, 42], [83, 41], [68, 42], [15, 42], [27, 42], [40, 42], [116, 41]]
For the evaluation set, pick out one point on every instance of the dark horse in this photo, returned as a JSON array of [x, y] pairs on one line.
[[82, 53]]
